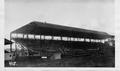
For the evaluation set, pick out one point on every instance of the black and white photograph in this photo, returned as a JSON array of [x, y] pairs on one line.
[[59, 33]]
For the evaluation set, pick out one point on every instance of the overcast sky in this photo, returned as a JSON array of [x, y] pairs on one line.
[[88, 14]]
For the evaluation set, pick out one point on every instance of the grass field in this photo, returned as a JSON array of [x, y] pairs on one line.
[[107, 59]]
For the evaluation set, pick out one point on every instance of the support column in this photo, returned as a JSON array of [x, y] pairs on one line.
[[10, 44]]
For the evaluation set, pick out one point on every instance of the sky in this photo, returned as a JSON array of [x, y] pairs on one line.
[[87, 14]]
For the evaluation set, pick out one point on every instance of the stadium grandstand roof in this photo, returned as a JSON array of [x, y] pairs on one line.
[[44, 28]]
